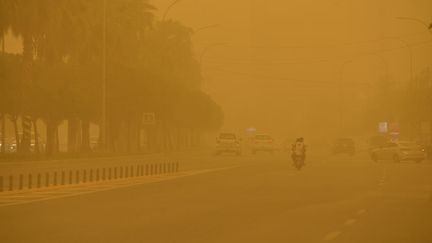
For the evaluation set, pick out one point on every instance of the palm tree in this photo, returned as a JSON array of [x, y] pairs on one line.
[[40, 24], [6, 10], [27, 19]]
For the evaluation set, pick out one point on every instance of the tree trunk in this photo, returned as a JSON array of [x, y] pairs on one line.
[[128, 135], [36, 134], [57, 139], [133, 134], [17, 136], [27, 78], [3, 134], [51, 137], [72, 135], [85, 145]]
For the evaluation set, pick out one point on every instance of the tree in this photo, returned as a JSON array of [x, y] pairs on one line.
[[5, 21], [10, 72], [150, 67], [28, 20]]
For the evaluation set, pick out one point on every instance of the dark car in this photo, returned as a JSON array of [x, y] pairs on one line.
[[344, 146]]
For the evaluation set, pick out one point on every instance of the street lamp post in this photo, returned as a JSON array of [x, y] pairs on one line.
[[207, 48], [411, 56], [341, 96], [103, 132], [340, 88], [3, 117], [169, 8], [204, 52], [205, 27], [428, 26]]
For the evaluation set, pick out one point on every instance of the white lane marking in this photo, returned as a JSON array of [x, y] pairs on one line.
[[8, 201], [382, 181], [20, 197], [361, 212], [4, 202], [333, 235], [350, 222]]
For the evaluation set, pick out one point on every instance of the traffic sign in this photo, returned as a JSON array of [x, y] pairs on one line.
[[149, 118]]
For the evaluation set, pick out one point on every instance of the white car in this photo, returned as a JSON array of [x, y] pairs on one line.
[[262, 142], [228, 143], [399, 151]]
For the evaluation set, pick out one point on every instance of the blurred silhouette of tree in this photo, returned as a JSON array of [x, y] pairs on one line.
[[150, 68], [10, 72], [27, 19], [408, 104]]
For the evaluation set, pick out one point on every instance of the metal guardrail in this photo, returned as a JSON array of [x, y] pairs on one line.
[[66, 177]]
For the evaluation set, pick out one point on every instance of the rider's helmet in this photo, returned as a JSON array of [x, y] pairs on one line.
[[300, 140]]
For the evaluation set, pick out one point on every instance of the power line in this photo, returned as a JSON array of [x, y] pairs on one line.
[[341, 58], [271, 77], [350, 43]]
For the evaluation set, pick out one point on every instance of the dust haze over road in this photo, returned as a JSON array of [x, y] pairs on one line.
[[179, 121], [284, 66]]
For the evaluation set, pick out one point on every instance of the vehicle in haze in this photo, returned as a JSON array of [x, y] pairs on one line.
[[377, 141], [262, 143], [343, 146], [298, 162], [228, 143], [11, 145], [399, 151]]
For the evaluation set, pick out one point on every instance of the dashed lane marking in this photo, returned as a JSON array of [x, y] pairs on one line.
[[350, 222], [382, 181], [361, 212], [18, 198], [333, 235]]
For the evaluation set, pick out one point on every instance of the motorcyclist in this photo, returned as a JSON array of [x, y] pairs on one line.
[[299, 149]]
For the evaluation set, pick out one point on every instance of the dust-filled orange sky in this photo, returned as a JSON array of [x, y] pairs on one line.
[[265, 59], [276, 64]]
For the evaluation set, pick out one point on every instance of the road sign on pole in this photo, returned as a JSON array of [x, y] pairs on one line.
[[149, 118]]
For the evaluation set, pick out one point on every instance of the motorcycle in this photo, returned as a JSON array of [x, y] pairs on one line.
[[298, 162]]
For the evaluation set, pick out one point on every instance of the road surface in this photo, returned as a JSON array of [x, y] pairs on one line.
[[237, 199]]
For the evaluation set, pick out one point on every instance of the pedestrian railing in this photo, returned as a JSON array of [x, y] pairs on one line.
[[67, 177]]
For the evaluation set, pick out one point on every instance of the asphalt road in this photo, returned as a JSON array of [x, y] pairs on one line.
[[247, 199]]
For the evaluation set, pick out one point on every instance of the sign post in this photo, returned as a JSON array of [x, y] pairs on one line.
[[149, 118]]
